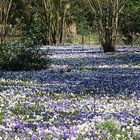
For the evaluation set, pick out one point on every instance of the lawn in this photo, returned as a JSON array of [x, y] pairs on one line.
[[84, 95]]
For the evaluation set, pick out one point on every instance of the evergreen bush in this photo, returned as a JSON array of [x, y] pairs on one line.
[[23, 56]]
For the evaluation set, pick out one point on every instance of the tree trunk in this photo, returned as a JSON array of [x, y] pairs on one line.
[[55, 17], [108, 47], [5, 8], [82, 39], [107, 21], [62, 30]]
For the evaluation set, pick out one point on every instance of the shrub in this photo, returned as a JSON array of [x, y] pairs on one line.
[[37, 31], [15, 56]]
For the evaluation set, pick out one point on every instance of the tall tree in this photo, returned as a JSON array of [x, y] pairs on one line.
[[107, 13], [13, 13], [5, 8], [55, 15]]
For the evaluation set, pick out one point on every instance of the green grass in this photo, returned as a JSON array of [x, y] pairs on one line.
[[92, 39], [88, 39], [1, 117]]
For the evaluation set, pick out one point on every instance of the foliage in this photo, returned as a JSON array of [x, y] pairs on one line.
[[130, 27], [46, 21], [36, 32], [15, 56]]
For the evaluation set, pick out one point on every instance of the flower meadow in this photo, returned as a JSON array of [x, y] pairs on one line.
[[84, 95]]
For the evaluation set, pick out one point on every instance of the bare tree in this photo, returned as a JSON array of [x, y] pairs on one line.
[[5, 7], [107, 14], [55, 14]]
